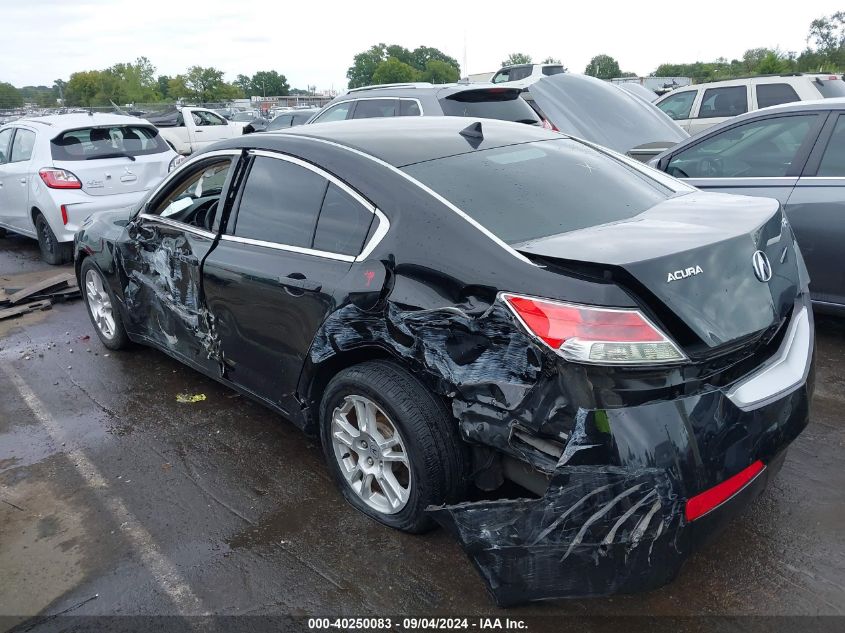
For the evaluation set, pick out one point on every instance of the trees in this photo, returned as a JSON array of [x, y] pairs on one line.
[[551, 60], [439, 72], [516, 58], [366, 63], [393, 71], [266, 83], [603, 67], [10, 97]]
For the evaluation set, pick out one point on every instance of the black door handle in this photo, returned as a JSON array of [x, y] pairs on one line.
[[298, 281]]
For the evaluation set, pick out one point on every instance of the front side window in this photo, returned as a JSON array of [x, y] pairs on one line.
[[202, 118], [194, 198], [280, 203], [22, 146], [723, 102], [107, 142], [343, 223], [5, 137], [564, 185], [774, 94], [375, 108], [678, 104], [337, 112], [833, 161], [759, 149]]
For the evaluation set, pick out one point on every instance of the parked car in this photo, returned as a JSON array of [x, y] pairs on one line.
[[794, 153], [601, 112], [699, 107], [189, 129], [425, 99], [252, 122], [290, 119], [450, 302], [57, 170], [519, 72]]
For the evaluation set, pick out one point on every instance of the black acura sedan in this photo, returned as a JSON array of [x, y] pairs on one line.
[[452, 303]]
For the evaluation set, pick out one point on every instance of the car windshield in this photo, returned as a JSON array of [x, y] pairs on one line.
[[100, 142], [533, 190], [830, 88], [495, 103]]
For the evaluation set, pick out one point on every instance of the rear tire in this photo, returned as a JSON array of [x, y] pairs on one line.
[[425, 455], [52, 251], [102, 307]]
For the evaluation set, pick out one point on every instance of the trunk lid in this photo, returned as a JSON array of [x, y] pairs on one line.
[[109, 176], [695, 256]]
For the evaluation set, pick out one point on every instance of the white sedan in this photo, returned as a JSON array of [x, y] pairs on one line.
[[57, 170]]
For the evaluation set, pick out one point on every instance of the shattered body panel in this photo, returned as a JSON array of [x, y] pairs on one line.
[[621, 448]]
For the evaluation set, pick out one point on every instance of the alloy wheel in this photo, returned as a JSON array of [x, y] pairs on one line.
[[99, 303], [371, 454]]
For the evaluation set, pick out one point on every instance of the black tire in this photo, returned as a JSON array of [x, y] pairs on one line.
[[119, 339], [437, 455], [52, 251]]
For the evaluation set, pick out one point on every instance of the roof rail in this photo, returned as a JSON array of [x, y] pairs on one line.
[[718, 81], [417, 84]]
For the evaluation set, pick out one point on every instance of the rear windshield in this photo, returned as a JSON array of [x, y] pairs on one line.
[[93, 143], [495, 103], [830, 88], [533, 190]]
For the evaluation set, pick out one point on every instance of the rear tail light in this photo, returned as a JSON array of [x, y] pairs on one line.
[[594, 335], [702, 503], [59, 179], [177, 160], [549, 125]]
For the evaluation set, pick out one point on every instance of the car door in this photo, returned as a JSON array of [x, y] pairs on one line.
[[276, 273], [717, 105], [761, 157], [162, 255], [816, 210], [208, 128], [15, 180]]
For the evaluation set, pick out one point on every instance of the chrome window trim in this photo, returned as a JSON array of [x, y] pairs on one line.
[[178, 225], [291, 249], [738, 178], [822, 178], [375, 240], [337, 103], [501, 243]]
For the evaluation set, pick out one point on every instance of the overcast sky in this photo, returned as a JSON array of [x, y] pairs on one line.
[[314, 42]]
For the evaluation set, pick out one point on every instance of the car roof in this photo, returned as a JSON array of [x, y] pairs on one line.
[[410, 91], [402, 141], [58, 123]]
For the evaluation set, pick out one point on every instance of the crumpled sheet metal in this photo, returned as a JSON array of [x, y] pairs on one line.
[[598, 530]]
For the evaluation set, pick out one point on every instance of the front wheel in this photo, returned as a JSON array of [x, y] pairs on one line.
[[102, 307], [391, 445]]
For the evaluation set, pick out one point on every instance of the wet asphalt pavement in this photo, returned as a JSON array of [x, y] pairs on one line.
[[109, 487]]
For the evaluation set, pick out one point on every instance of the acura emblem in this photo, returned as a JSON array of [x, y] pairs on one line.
[[762, 267]]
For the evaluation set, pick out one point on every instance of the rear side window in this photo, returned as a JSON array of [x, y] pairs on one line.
[[374, 108], [563, 186], [280, 203], [773, 94], [280, 122], [91, 143], [494, 103], [552, 70], [678, 105], [727, 101], [409, 108], [22, 146], [833, 161], [343, 223], [512, 74]]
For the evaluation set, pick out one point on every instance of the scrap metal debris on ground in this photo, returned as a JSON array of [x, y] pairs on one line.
[[40, 295]]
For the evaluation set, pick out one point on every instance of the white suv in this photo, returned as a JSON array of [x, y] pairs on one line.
[[57, 170], [698, 107], [524, 71]]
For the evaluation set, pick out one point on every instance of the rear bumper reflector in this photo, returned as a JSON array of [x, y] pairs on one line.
[[704, 502]]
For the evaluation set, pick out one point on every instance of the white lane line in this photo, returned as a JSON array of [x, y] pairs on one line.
[[163, 570]]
